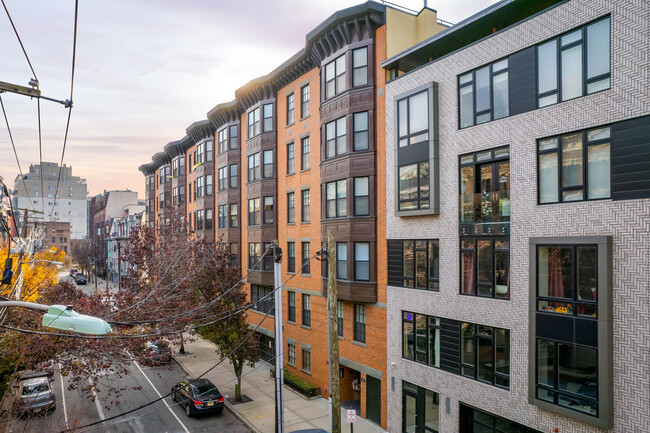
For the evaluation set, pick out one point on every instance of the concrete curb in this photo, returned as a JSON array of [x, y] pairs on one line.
[[225, 402]]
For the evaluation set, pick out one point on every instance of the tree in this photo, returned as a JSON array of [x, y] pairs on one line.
[[82, 252]]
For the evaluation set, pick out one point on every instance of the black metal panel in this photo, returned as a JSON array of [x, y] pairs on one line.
[[522, 88], [413, 154], [586, 332], [631, 159], [555, 327], [450, 345], [395, 263]]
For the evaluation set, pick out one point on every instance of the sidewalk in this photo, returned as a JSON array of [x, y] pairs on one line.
[[259, 414]]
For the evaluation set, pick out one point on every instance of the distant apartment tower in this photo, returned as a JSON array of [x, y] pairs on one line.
[[36, 191]]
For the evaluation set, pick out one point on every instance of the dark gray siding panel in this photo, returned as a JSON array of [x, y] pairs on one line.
[[631, 159], [521, 78], [395, 255], [450, 345]]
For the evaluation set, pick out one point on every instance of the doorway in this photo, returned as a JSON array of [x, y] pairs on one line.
[[420, 409], [373, 399]]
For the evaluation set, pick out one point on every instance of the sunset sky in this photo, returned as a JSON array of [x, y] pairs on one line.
[[145, 70]]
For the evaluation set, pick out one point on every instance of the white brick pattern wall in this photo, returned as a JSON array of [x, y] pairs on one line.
[[628, 222]]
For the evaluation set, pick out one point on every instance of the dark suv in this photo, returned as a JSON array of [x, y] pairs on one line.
[[198, 396]]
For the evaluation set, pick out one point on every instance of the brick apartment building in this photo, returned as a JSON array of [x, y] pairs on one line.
[[57, 234], [518, 222], [301, 151]]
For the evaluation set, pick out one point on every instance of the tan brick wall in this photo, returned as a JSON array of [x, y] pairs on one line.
[[628, 222]]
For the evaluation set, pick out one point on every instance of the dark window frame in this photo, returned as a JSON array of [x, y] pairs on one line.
[[291, 304], [291, 257], [305, 215], [304, 101], [360, 321], [268, 214], [492, 75], [305, 258], [304, 153], [306, 310], [254, 216], [291, 109], [291, 207], [432, 276], [338, 211], [291, 158], [474, 250]]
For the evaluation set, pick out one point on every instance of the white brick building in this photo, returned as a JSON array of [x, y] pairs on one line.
[[527, 185]]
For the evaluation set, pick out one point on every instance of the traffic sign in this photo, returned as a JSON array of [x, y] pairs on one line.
[[352, 416]]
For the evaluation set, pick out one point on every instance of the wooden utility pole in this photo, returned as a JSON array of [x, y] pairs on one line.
[[23, 235], [333, 335]]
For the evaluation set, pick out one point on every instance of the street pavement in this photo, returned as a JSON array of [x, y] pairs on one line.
[[257, 384]]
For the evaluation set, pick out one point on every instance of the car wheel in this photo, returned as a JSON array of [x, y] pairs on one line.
[[174, 395], [219, 411], [188, 409]]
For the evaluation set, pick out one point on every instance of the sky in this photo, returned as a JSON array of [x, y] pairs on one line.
[[144, 71]]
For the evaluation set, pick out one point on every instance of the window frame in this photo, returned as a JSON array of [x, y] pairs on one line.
[[339, 77], [291, 109], [475, 265], [291, 158], [291, 207], [360, 320], [233, 179], [233, 217], [268, 214], [304, 101], [358, 133], [433, 332], [305, 202], [254, 215], [338, 138], [254, 167], [291, 306], [305, 258], [306, 310], [358, 262], [304, 153], [433, 281], [492, 75], [338, 213], [291, 257], [361, 67]]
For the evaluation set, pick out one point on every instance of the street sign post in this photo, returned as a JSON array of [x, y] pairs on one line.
[[352, 418]]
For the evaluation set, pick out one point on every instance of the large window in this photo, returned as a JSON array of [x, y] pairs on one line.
[[268, 210], [485, 267], [253, 211], [421, 410], [361, 196], [483, 94], [473, 420], [234, 219], [306, 310], [291, 158], [304, 160], [222, 216], [341, 261], [291, 207], [574, 64], [305, 258], [254, 125], [268, 163], [234, 176], [254, 255], [291, 313], [421, 264], [414, 186], [485, 354], [336, 199], [290, 109], [254, 170], [421, 338], [262, 299], [304, 101], [413, 119], [360, 67], [360, 323], [222, 181], [362, 261], [335, 77], [268, 117], [575, 166], [291, 257], [335, 138], [361, 137], [305, 215]]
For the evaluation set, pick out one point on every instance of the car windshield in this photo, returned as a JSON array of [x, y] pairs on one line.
[[205, 389], [35, 388]]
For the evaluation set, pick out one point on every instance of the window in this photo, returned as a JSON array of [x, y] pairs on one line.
[[291, 158], [254, 255], [413, 119], [291, 257], [575, 166], [291, 208], [360, 323], [268, 163], [414, 186], [262, 299], [291, 350], [189, 191], [254, 212], [254, 126], [292, 307], [304, 160], [336, 199], [475, 420], [268, 117], [181, 166], [234, 176], [304, 101], [305, 206], [222, 179], [306, 360], [234, 220], [335, 138], [221, 222], [339, 317], [222, 140], [361, 196], [360, 67], [234, 254], [483, 94], [485, 267], [362, 261], [181, 194], [174, 195], [421, 338], [306, 310], [175, 167], [199, 187], [335, 77], [574, 64], [305, 258], [254, 170], [485, 354], [421, 410], [420, 266], [233, 137], [290, 109], [360, 121], [199, 219], [268, 210], [208, 219], [267, 260], [199, 153], [208, 184], [209, 151], [341, 261]]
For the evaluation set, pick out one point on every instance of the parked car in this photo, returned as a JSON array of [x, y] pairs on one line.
[[80, 279], [33, 394], [73, 271], [157, 352], [198, 396]]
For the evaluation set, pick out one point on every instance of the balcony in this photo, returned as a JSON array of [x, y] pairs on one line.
[[487, 213]]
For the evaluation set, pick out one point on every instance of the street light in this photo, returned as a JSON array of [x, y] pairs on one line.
[[64, 318]]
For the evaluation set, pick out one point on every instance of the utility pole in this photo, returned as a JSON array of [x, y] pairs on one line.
[[23, 234], [279, 359], [333, 336]]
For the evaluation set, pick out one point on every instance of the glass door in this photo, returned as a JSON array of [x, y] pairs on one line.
[[420, 409]]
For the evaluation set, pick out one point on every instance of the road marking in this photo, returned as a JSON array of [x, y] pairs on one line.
[[97, 403], [160, 395], [65, 410]]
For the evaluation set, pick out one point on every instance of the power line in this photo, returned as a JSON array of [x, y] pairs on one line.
[[40, 154], [19, 40]]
